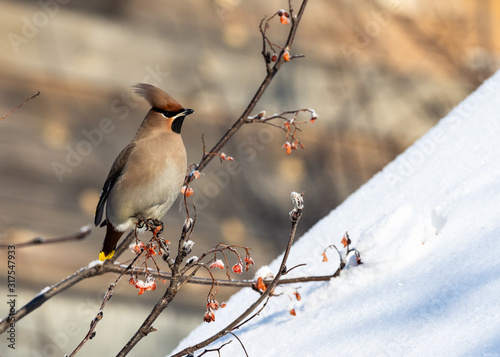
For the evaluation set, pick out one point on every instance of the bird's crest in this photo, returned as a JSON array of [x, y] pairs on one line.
[[157, 98]]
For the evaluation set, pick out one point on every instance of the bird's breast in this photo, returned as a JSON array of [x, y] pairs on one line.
[[151, 181]]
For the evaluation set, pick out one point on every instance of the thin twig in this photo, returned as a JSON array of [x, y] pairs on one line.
[[123, 246], [82, 233], [241, 343], [20, 105], [93, 324], [254, 315], [215, 349], [259, 118]]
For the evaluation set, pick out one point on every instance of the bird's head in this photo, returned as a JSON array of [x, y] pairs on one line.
[[164, 105]]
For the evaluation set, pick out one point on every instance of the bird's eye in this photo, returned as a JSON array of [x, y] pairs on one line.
[[165, 113]]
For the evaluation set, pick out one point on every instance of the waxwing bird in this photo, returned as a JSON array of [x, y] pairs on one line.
[[148, 174]]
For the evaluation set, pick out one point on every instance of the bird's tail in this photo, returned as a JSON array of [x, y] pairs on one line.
[[110, 241]]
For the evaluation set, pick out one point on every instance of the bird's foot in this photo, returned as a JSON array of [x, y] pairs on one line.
[[141, 222], [155, 226]]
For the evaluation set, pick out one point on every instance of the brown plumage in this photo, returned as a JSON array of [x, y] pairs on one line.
[[148, 174], [157, 98]]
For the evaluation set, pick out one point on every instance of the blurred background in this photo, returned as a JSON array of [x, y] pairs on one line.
[[378, 73]]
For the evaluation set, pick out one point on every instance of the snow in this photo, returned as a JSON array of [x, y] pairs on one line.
[[85, 229], [94, 263], [188, 245], [427, 228], [43, 291]]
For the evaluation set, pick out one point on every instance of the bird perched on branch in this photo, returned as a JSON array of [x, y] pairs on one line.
[[148, 174]]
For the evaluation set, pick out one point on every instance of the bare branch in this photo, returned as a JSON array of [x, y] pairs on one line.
[[20, 105], [48, 293], [191, 279], [82, 233]]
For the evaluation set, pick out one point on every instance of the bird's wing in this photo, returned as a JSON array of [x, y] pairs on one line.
[[115, 172]]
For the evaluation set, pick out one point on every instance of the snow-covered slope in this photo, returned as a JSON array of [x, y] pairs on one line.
[[428, 229]]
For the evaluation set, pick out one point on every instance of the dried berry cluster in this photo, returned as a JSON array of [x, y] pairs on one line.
[[212, 303], [346, 242], [270, 54]]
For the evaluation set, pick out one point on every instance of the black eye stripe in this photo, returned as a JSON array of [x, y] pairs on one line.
[[167, 113]]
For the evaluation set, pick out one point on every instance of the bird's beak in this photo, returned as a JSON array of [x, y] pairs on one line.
[[187, 112]]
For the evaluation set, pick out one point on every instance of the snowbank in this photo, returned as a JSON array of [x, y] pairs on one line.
[[428, 230]]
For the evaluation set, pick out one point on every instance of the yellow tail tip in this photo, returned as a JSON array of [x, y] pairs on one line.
[[103, 257]]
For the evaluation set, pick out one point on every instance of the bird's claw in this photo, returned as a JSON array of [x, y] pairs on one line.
[[155, 226]]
